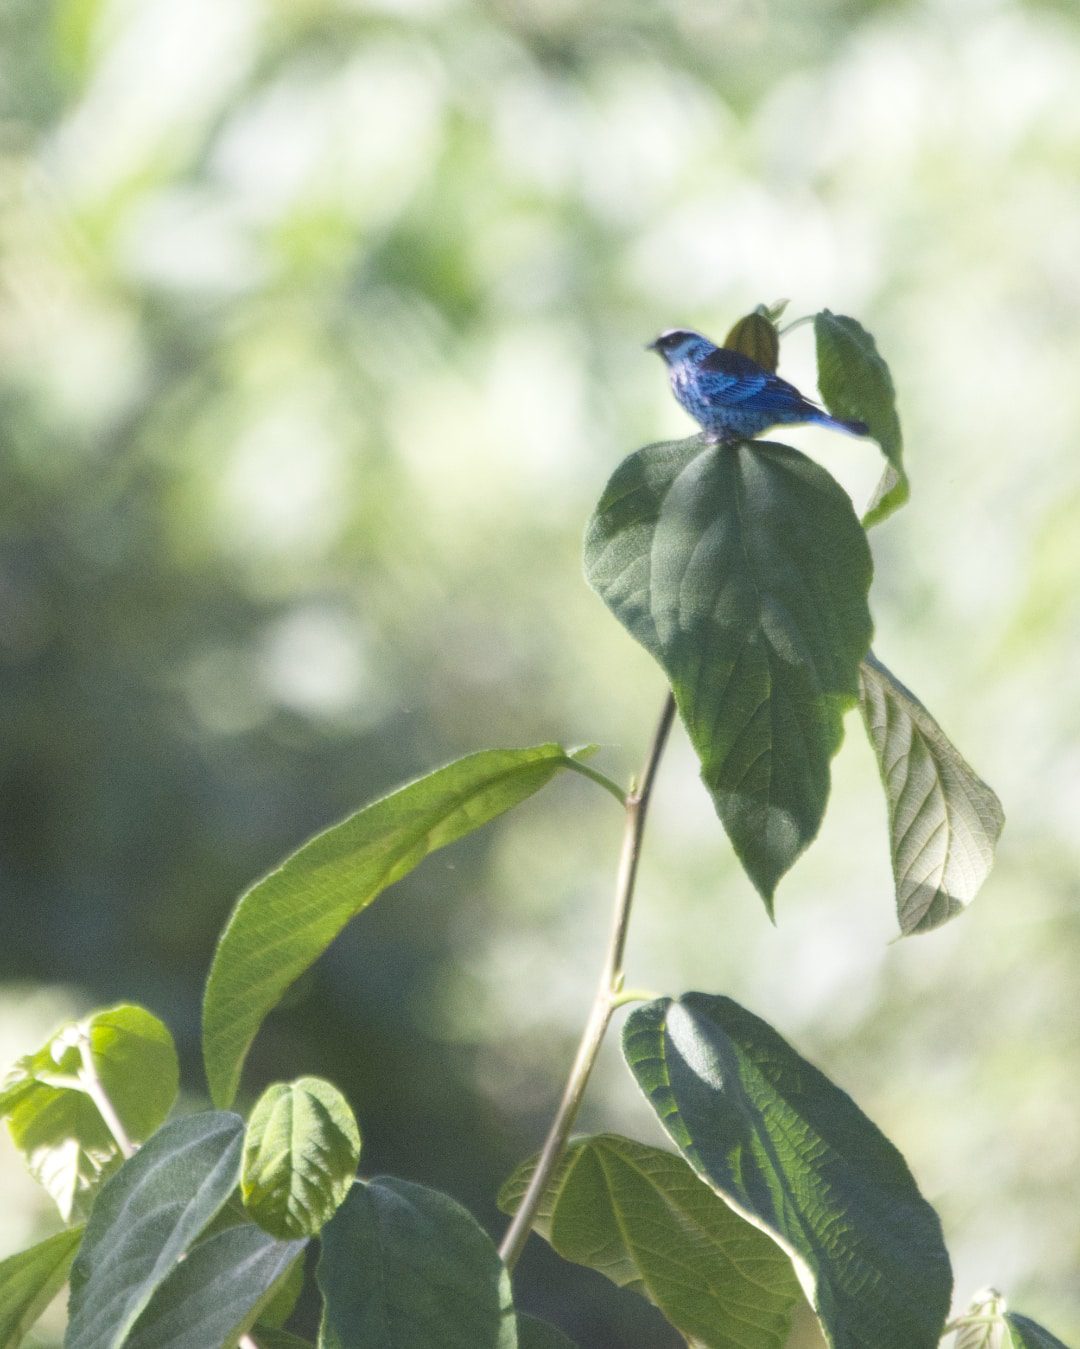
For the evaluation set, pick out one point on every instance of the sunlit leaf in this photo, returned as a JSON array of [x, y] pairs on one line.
[[640, 1216], [30, 1280], [214, 1294], [145, 1220], [944, 821], [300, 1154], [1028, 1334], [56, 1125], [405, 1267], [855, 383], [795, 1154], [743, 570], [286, 921]]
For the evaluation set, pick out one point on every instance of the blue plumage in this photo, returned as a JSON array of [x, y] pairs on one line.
[[731, 396]]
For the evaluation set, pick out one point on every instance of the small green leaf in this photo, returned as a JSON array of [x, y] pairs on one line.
[[30, 1280], [1028, 1334], [641, 1217], [855, 383], [405, 1267], [743, 570], [534, 1334], [944, 821], [214, 1295], [55, 1124], [272, 1338], [755, 336], [300, 1154], [794, 1153], [145, 1220], [286, 921]]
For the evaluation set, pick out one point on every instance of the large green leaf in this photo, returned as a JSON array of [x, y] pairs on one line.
[[405, 1267], [795, 1154], [1028, 1334], [855, 383], [943, 819], [216, 1291], [286, 921], [743, 570], [145, 1220], [56, 1125], [534, 1334], [30, 1280], [640, 1216], [300, 1154]]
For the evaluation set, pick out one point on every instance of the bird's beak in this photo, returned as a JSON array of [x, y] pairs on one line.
[[653, 346]]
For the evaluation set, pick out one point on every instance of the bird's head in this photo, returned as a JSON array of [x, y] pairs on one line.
[[676, 344]]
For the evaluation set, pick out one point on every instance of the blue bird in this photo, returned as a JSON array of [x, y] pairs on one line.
[[731, 396]]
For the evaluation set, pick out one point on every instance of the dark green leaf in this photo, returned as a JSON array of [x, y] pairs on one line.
[[300, 1154], [279, 1339], [145, 1219], [57, 1126], [215, 1293], [855, 383], [534, 1334], [743, 570], [755, 336], [794, 1153], [285, 1297], [1028, 1334], [640, 1216], [405, 1267], [291, 916], [943, 819], [30, 1280]]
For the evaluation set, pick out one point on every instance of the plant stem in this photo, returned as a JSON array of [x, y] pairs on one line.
[[602, 779], [636, 803], [796, 323], [92, 1085]]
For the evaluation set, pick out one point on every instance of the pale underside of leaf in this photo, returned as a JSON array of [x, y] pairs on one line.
[[944, 821]]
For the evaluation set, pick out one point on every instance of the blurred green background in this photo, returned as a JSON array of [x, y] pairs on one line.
[[321, 329]]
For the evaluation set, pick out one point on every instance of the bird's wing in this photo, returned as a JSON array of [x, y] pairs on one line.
[[737, 375], [746, 379]]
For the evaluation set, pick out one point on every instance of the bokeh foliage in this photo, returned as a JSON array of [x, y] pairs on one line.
[[321, 328]]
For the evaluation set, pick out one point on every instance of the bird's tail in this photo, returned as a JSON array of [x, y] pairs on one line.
[[840, 424]]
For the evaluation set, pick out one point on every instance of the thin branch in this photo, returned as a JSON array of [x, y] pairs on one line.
[[604, 1003]]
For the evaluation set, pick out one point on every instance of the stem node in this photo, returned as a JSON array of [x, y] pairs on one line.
[[604, 1002]]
